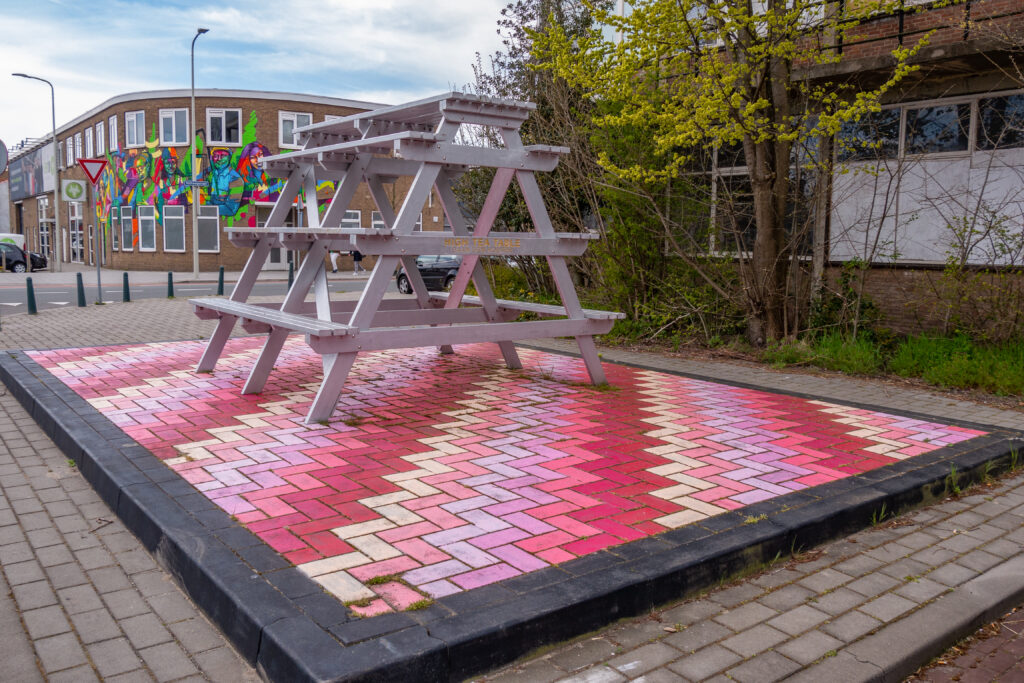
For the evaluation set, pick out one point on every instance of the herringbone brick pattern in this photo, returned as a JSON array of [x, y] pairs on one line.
[[438, 474]]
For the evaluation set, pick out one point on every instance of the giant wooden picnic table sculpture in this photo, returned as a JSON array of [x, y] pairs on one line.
[[417, 139]]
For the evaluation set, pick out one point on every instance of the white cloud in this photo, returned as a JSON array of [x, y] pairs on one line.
[[387, 50]]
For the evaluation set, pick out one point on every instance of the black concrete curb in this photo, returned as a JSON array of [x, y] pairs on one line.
[[282, 622]]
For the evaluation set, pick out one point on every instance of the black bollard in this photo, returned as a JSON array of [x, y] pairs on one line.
[[170, 285], [81, 290], [30, 292], [291, 274], [126, 294], [220, 281]]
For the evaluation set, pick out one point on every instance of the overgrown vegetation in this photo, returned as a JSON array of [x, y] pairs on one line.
[[735, 258]]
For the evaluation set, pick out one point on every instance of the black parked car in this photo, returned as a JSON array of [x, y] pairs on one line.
[[19, 260], [438, 272]]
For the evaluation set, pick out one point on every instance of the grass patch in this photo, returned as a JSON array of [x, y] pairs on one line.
[[859, 356], [957, 362], [419, 604], [378, 580]]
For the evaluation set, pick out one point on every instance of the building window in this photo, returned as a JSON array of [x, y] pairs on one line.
[[209, 229], [223, 126], [60, 155], [419, 222], [115, 232], [69, 153], [352, 219], [174, 228], [135, 129], [78, 145], [289, 121], [173, 126], [88, 143], [875, 136], [942, 128], [377, 221], [1001, 122], [101, 148], [147, 228], [42, 210], [112, 129], [126, 228]]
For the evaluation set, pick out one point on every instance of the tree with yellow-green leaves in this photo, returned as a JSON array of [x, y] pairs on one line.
[[761, 78]]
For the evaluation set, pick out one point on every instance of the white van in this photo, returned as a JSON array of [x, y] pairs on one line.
[[13, 238]]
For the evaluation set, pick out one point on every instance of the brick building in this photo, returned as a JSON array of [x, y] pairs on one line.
[[141, 207]]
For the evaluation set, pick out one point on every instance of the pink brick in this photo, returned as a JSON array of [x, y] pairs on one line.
[[398, 595], [485, 576], [395, 565]]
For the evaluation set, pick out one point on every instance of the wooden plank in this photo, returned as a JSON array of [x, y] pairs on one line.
[[293, 321], [412, 337], [485, 157], [533, 307], [377, 143]]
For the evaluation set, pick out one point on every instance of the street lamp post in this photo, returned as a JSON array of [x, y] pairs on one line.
[[193, 164], [56, 175]]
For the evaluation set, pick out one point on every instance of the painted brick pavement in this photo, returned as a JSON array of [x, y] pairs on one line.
[[439, 474]]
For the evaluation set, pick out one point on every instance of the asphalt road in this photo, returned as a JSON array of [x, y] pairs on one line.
[[13, 297]]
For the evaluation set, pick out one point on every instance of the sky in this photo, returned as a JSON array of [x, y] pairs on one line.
[[385, 51]]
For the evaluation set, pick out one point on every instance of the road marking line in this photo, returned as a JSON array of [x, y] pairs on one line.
[[8, 303]]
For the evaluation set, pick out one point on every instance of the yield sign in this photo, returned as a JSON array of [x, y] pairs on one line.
[[93, 168]]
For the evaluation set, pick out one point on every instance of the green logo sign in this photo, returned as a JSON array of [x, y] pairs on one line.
[[74, 190]]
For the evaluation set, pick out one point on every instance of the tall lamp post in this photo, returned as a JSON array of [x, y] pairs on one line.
[[56, 176], [193, 164]]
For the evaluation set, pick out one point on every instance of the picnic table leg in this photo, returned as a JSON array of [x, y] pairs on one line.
[[336, 369], [591, 359], [216, 344], [265, 363]]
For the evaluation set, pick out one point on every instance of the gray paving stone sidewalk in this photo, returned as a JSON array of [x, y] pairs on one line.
[[837, 612], [92, 603]]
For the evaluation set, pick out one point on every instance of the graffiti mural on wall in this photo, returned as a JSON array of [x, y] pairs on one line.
[[157, 176]]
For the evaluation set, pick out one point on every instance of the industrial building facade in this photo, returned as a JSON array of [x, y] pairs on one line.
[[141, 207]]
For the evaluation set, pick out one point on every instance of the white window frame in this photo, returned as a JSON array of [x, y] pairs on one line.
[[89, 151], [292, 116], [135, 117], [78, 146], [61, 161], [175, 133], [147, 219], [101, 147], [205, 214], [112, 129], [353, 219], [69, 153], [377, 220], [126, 215], [174, 220], [210, 114], [115, 231]]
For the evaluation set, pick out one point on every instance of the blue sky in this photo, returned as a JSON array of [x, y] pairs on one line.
[[380, 51]]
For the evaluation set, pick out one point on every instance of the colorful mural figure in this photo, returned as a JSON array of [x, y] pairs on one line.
[[225, 183], [157, 176]]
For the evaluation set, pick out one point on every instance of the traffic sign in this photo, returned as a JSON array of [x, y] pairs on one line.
[[93, 168], [72, 190]]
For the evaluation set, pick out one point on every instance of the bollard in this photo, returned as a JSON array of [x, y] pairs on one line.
[[126, 294], [220, 281], [81, 290], [170, 285], [291, 274], [31, 293]]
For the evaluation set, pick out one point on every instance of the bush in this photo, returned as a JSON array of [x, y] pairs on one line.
[[859, 356]]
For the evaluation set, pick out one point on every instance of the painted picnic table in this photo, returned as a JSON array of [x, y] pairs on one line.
[[417, 139]]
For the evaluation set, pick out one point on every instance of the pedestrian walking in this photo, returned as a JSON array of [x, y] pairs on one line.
[[334, 262], [357, 262]]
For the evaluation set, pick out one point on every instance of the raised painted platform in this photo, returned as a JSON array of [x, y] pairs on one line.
[[507, 507]]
